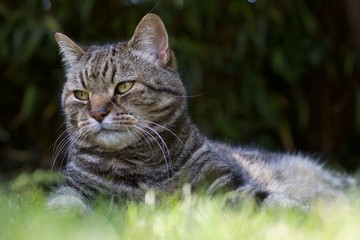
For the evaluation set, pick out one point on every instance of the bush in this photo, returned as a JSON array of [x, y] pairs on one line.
[[279, 74]]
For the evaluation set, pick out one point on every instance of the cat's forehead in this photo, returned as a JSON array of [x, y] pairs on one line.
[[103, 59], [109, 63]]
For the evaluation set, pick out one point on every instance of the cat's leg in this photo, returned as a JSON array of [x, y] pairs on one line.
[[68, 198]]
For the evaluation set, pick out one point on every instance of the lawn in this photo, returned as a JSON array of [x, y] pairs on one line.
[[23, 215]]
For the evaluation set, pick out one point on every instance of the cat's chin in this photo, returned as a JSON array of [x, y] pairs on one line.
[[113, 140]]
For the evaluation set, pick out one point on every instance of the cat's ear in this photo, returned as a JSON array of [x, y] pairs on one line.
[[150, 39], [71, 52]]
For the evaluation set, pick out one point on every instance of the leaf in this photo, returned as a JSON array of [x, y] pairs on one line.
[[33, 42], [28, 102]]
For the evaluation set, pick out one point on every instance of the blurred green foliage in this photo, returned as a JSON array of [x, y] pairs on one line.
[[278, 74]]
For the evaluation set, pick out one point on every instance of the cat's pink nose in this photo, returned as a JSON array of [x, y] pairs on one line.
[[99, 115]]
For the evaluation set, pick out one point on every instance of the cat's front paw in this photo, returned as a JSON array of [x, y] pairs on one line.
[[277, 200], [264, 198], [68, 199]]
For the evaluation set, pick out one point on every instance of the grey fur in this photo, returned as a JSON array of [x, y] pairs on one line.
[[146, 139]]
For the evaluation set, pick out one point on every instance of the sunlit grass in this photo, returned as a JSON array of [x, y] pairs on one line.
[[24, 215]]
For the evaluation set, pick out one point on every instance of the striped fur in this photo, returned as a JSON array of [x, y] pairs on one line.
[[145, 138]]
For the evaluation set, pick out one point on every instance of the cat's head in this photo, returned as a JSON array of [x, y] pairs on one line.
[[117, 93]]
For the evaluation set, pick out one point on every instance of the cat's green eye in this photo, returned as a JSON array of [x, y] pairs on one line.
[[81, 95], [124, 87]]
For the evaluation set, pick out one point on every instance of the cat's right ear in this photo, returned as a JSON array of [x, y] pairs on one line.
[[71, 52], [150, 40]]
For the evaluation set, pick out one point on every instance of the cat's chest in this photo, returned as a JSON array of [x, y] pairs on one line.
[[106, 166], [119, 171]]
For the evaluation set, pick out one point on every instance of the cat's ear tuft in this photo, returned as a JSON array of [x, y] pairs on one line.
[[150, 40], [71, 52]]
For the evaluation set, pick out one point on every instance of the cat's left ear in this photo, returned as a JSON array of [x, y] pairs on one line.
[[150, 40], [71, 52]]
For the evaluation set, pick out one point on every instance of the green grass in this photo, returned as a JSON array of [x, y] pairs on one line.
[[23, 215]]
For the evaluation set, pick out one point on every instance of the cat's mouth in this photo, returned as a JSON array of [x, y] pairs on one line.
[[113, 138], [111, 128]]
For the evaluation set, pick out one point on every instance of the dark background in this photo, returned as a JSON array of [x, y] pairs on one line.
[[279, 74]]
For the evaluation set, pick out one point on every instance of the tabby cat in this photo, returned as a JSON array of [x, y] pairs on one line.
[[129, 131]]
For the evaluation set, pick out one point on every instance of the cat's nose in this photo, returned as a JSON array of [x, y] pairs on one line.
[[99, 114]]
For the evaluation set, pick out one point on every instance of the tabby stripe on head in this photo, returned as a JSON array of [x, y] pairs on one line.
[[113, 75], [88, 58], [176, 122], [82, 80], [105, 69], [163, 115], [161, 89], [93, 75], [161, 109], [113, 52], [87, 73]]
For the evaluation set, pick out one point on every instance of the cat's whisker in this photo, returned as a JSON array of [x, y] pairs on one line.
[[145, 137], [57, 141], [148, 135], [58, 146], [75, 139], [190, 96], [167, 129], [133, 136], [157, 134], [164, 146], [59, 149], [161, 146]]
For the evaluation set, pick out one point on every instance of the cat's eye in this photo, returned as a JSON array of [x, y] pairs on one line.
[[124, 87], [81, 95]]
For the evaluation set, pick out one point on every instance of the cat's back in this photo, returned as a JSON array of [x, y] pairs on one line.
[[295, 175]]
